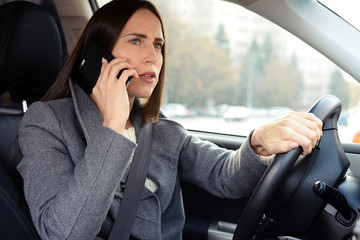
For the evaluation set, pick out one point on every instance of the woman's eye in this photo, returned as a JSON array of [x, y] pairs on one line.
[[158, 45], [135, 41]]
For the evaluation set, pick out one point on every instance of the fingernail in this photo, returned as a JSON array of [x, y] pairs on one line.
[[294, 145]]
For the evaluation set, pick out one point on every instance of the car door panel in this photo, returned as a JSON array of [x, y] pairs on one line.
[[208, 216], [353, 154]]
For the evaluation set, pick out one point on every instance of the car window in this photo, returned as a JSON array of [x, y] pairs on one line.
[[230, 70]]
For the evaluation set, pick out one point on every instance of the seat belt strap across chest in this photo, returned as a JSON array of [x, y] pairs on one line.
[[135, 184]]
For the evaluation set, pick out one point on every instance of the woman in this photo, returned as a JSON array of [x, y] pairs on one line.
[[77, 147]]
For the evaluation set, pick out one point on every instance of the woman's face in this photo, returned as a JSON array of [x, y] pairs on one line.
[[141, 42]]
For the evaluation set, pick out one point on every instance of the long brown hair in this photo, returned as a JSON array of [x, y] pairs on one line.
[[105, 27]]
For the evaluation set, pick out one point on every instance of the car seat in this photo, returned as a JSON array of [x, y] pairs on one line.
[[30, 58]]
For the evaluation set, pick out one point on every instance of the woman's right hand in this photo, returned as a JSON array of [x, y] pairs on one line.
[[110, 95], [286, 133]]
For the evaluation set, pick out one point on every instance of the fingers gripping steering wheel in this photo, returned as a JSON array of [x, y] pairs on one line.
[[276, 173]]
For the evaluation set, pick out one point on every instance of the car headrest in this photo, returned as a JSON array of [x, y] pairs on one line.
[[30, 50]]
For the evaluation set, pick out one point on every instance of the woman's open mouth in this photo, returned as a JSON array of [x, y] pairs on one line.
[[149, 77]]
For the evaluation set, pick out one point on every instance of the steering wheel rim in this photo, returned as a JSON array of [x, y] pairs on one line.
[[276, 173]]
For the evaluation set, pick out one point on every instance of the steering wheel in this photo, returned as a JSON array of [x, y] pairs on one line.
[[325, 109]]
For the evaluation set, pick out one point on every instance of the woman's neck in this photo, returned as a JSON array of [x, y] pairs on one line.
[[131, 104]]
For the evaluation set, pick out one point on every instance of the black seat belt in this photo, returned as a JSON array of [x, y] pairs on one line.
[[135, 184]]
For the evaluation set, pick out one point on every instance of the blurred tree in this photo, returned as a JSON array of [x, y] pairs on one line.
[[339, 87], [250, 69], [354, 93], [270, 82], [280, 86], [267, 48], [221, 40], [197, 72]]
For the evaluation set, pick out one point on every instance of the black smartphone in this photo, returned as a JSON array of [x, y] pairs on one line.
[[90, 65]]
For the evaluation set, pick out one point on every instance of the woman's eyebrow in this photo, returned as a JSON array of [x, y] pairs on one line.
[[159, 39]]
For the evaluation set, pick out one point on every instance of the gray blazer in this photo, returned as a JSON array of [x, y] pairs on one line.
[[72, 167]]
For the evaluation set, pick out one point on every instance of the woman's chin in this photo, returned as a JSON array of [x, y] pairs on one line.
[[141, 94]]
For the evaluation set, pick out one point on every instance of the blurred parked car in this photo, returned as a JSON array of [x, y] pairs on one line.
[[173, 110], [236, 113]]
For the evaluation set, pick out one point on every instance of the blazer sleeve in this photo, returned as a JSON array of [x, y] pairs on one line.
[[68, 201], [224, 173]]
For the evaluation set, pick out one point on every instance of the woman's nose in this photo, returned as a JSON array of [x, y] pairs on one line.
[[151, 55]]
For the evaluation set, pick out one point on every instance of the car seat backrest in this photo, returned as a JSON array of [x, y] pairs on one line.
[[30, 59], [30, 50]]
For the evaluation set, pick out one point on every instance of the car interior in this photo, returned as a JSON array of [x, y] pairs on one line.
[[31, 43], [312, 197]]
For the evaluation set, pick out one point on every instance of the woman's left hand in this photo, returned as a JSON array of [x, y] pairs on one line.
[[282, 135]]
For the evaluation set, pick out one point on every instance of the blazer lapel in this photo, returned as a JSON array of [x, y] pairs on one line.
[[90, 117], [86, 111]]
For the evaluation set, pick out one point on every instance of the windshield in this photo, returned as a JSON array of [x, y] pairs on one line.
[[347, 9]]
